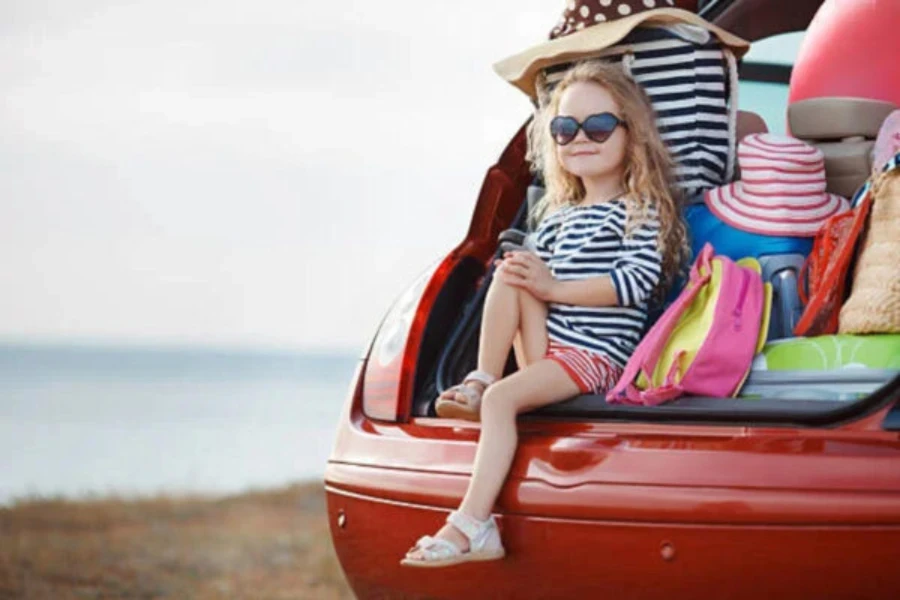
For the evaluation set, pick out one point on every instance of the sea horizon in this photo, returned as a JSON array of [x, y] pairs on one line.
[[104, 419], [163, 345]]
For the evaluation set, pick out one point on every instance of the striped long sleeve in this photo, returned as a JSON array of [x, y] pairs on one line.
[[636, 273], [581, 242]]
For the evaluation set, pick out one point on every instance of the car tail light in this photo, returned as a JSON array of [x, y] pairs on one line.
[[391, 366]]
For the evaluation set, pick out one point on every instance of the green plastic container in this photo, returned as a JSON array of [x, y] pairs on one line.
[[881, 351], [829, 367]]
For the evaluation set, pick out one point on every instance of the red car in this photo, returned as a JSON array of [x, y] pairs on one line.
[[775, 497]]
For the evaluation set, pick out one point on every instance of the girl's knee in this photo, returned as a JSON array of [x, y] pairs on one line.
[[496, 402], [498, 286]]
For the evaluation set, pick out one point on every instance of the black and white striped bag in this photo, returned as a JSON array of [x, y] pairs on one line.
[[691, 79]]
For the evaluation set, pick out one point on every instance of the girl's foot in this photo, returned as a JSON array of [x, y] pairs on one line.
[[463, 539], [463, 401], [447, 533]]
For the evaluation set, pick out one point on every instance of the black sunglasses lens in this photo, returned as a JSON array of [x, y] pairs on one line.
[[563, 129], [599, 127]]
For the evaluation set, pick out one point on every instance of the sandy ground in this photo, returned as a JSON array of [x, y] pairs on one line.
[[259, 545]]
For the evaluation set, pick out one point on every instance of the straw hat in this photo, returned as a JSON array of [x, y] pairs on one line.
[[589, 26], [782, 191], [874, 303]]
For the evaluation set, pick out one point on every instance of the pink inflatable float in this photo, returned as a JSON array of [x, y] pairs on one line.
[[850, 49]]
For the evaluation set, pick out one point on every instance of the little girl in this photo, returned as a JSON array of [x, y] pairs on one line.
[[610, 239]]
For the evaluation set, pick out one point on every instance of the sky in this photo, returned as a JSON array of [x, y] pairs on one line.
[[269, 173]]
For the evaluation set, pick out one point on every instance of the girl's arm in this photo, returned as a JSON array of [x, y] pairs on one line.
[[528, 271], [592, 291], [631, 281]]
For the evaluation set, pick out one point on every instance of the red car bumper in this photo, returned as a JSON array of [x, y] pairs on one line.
[[796, 555]]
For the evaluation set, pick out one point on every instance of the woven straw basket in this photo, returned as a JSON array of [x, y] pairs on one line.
[[874, 303]]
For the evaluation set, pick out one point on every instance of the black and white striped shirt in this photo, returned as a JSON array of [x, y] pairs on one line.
[[578, 242], [686, 80]]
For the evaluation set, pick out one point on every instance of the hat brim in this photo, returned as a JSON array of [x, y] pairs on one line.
[[522, 69], [731, 204]]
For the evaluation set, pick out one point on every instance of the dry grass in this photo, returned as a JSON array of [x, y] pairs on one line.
[[258, 545]]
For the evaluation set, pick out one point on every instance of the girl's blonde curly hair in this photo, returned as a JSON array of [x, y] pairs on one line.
[[648, 178]]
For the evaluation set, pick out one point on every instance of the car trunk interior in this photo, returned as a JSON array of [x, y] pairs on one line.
[[449, 347]]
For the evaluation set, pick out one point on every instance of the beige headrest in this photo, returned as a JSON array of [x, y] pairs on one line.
[[847, 165], [837, 118], [844, 129], [749, 122]]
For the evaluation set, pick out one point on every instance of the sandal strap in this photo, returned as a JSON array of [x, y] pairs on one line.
[[471, 527], [433, 548], [482, 377], [471, 394]]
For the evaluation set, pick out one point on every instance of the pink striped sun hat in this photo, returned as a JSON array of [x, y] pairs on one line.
[[782, 188]]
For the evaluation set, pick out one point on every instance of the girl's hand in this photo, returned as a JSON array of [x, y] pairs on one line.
[[527, 271]]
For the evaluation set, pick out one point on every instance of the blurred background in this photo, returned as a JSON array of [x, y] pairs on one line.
[[205, 209]]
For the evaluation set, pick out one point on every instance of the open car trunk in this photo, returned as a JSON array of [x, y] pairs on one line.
[[450, 345], [461, 302]]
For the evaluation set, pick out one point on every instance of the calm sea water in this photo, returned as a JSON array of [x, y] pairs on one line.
[[80, 421]]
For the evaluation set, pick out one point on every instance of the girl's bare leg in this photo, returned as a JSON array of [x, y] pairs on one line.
[[510, 313], [512, 316], [499, 324], [531, 341], [541, 383]]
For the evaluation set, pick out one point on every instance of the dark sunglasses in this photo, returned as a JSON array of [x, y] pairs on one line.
[[597, 128]]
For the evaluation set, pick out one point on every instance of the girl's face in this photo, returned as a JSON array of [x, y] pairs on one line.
[[583, 157]]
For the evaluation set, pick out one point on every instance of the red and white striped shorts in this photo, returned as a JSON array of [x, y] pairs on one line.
[[593, 373]]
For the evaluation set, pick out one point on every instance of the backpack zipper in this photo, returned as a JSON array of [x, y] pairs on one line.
[[742, 296]]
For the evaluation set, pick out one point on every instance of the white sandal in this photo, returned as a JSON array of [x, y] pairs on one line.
[[450, 408], [484, 544]]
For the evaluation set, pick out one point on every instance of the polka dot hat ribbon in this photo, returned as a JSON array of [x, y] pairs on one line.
[[584, 13]]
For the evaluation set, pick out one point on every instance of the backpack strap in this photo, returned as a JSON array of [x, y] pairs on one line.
[[670, 389], [647, 353]]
